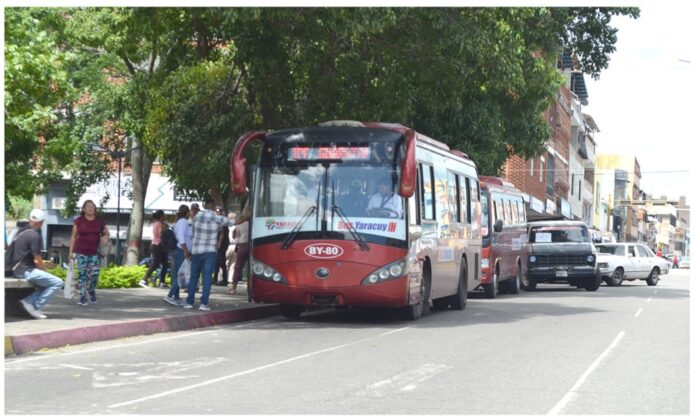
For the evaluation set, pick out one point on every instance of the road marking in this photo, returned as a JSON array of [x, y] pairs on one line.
[[253, 370], [649, 299], [123, 345], [407, 381], [638, 313], [573, 392], [77, 367]]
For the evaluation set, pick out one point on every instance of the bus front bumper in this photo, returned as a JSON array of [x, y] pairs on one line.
[[392, 293]]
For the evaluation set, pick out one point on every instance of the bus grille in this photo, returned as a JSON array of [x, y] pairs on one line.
[[562, 260]]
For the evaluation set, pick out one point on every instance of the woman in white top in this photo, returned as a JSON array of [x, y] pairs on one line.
[[241, 233]]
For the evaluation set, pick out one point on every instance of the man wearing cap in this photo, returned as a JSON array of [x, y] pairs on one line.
[[30, 266]]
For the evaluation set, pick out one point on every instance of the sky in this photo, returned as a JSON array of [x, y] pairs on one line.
[[645, 102]]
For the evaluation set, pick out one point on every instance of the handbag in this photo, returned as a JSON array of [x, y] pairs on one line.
[[70, 287], [184, 274], [104, 248]]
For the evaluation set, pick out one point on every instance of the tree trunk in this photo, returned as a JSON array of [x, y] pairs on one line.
[[142, 165]]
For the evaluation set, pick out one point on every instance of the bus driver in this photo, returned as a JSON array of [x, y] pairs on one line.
[[385, 203]]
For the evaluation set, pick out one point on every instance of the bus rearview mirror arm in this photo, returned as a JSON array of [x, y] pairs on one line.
[[408, 166]]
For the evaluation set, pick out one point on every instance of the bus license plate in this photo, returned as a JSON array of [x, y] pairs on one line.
[[561, 274]]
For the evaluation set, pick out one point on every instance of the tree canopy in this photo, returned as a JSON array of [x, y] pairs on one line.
[[187, 82]]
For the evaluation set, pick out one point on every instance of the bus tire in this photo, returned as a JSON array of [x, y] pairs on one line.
[[490, 290], [290, 311], [415, 311], [458, 301], [515, 283]]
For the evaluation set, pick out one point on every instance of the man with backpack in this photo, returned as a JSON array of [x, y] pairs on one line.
[[24, 254]]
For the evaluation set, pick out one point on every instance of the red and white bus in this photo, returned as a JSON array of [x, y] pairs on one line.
[[504, 247], [351, 214]]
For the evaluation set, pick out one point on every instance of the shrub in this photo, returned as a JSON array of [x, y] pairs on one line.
[[115, 276], [58, 271]]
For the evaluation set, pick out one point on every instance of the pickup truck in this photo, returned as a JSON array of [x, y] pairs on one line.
[[561, 251], [629, 261]]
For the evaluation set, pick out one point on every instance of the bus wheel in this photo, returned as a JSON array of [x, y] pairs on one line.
[[458, 301], [490, 290], [514, 283], [415, 311], [290, 311]]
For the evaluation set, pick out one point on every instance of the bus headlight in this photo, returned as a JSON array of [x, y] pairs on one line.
[[263, 271], [391, 271]]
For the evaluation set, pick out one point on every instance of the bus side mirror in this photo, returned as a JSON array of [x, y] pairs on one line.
[[498, 226], [238, 162], [408, 166]]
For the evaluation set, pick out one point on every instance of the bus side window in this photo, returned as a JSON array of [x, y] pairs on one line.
[[453, 195], [427, 193], [466, 199]]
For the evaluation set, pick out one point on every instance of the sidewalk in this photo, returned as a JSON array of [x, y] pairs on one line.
[[122, 313]]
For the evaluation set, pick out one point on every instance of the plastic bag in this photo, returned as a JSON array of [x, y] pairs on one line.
[[70, 287], [184, 274]]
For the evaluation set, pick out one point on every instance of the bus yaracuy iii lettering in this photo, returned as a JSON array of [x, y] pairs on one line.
[[351, 214]]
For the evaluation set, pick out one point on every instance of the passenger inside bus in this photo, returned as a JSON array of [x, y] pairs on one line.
[[354, 201], [385, 203]]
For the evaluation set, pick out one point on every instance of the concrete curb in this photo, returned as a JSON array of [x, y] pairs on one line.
[[22, 344]]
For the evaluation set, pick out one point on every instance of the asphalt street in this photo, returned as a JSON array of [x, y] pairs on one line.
[[558, 350]]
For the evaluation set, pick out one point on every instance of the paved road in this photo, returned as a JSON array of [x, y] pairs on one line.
[[559, 350]]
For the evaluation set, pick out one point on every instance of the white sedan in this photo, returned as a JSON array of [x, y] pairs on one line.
[[629, 261]]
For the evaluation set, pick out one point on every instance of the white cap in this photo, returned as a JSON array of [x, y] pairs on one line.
[[37, 215]]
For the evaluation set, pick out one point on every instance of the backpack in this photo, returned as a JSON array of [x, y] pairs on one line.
[[168, 238], [11, 262]]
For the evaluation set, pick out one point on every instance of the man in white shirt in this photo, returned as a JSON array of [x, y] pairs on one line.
[[385, 203]]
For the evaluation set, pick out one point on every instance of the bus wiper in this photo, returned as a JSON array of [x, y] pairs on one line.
[[291, 237], [349, 225]]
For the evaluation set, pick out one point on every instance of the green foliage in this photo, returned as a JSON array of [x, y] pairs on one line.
[[189, 81], [114, 276], [18, 208]]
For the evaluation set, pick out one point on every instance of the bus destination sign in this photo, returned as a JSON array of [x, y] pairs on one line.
[[328, 153]]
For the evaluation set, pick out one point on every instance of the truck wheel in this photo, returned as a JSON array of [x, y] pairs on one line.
[[654, 277], [616, 278], [490, 290], [528, 284], [592, 283]]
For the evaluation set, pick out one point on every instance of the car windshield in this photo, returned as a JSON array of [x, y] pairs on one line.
[[611, 250], [559, 234]]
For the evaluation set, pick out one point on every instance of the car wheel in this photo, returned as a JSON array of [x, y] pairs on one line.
[[654, 277], [490, 290], [593, 283], [616, 278], [290, 311], [514, 283], [528, 284]]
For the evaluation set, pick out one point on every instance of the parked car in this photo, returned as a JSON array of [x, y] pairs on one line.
[[684, 263], [629, 261], [561, 251]]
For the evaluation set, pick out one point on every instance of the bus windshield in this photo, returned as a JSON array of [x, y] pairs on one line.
[[346, 195]]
